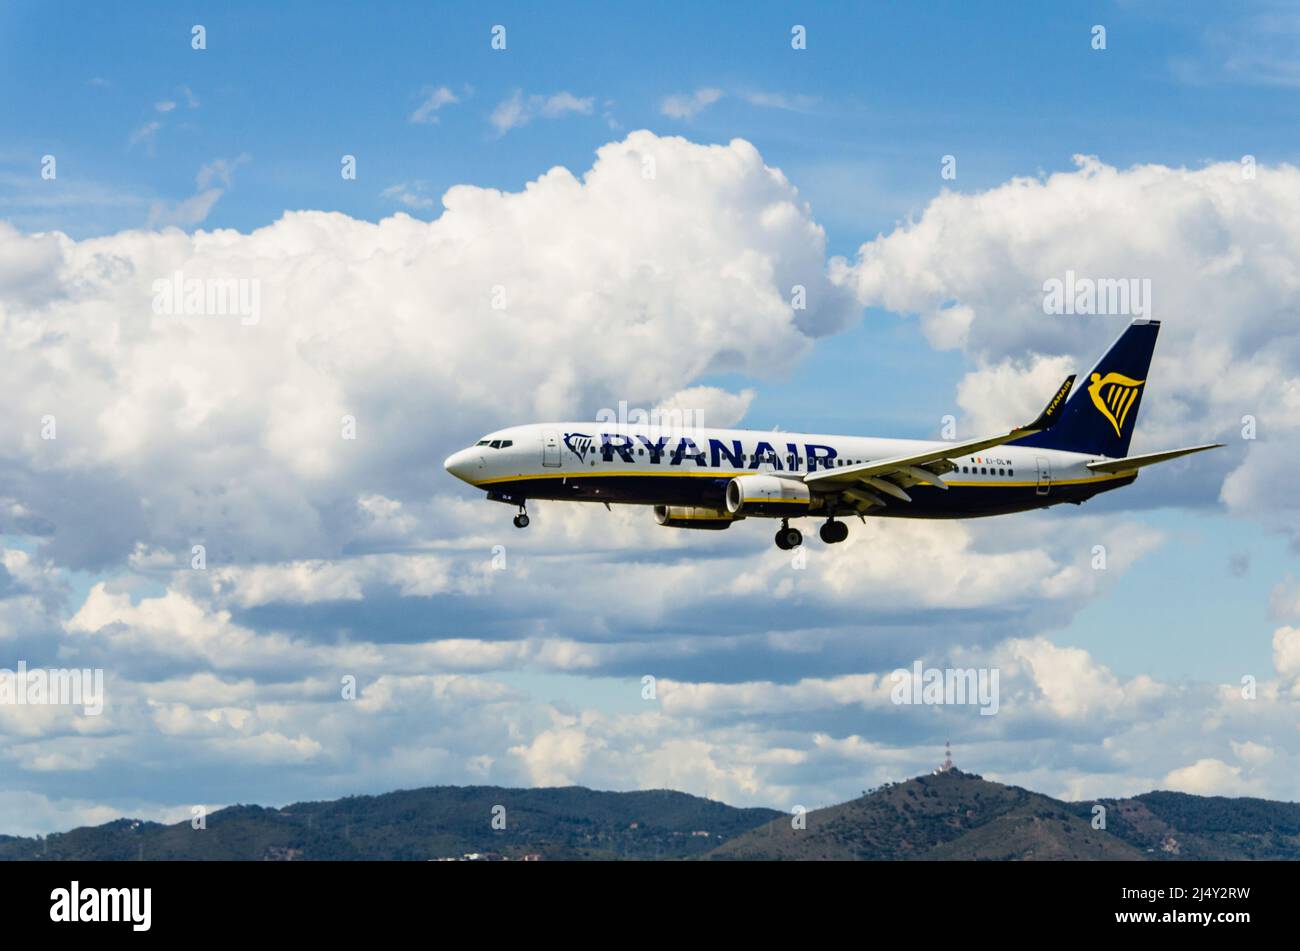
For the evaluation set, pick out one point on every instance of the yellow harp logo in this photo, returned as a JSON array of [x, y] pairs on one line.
[[1114, 395]]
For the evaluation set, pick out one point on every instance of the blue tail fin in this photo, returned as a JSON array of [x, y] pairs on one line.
[[1100, 414]]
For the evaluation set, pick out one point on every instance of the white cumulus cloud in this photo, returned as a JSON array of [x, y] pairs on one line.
[[175, 427], [1219, 245]]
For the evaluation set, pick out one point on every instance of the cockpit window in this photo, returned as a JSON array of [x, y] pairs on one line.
[[481, 442], [507, 443], [496, 444]]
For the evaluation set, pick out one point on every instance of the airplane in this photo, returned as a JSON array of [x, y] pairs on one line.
[[703, 478]]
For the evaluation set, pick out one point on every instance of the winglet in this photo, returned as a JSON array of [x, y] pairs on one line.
[[1052, 413]]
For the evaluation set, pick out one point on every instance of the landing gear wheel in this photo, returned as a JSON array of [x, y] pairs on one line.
[[521, 520], [788, 538], [833, 532]]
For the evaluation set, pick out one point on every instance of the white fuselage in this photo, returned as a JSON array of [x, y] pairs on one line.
[[629, 464]]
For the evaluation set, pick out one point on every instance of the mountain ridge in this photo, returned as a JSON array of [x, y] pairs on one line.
[[952, 815], [946, 815]]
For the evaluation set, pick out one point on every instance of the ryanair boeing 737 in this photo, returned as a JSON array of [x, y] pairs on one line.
[[707, 479]]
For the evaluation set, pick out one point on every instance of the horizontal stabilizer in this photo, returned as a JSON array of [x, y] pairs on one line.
[[1150, 459]]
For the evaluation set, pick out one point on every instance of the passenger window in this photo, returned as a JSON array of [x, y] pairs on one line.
[[983, 470], [1011, 472], [1001, 472]]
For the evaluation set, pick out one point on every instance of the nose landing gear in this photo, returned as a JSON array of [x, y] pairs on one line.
[[833, 532], [787, 537], [521, 520]]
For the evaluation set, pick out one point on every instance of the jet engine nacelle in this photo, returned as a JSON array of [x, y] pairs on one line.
[[767, 495], [690, 516]]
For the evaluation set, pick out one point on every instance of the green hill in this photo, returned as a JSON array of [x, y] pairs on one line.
[[1173, 825], [951, 815], [945, 816], [956, 815], [419, 824]]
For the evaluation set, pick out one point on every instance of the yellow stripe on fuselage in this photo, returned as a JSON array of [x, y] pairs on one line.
[[728, 475]]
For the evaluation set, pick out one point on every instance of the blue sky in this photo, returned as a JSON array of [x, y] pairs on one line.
[[895, 88], [149, 133]]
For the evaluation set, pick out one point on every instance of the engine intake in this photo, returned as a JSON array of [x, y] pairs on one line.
[[767, 495], [690, 516]]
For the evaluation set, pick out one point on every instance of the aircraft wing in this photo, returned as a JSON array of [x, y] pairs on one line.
[[890, 476], [1131, 463]]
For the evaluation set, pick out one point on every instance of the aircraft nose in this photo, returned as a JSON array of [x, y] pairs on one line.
[[461, 464]]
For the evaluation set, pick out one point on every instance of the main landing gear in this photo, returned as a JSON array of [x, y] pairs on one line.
[[787, 537], [833, 532], [521, 520]]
